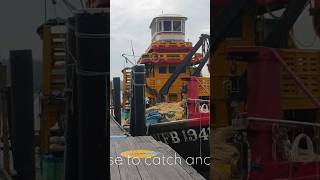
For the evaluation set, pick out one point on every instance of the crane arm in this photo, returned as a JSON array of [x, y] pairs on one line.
[[203, 61], [186, 61]]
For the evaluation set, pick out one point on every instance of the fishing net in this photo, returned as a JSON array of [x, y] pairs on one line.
[[224, 154], [168, 111]]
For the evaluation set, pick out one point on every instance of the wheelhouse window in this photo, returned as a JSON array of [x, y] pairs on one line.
[[169, 26], [153, 30], [183, 27], [177, 26], [183, 70], [166, 25], [162, 70], [173, 97], [159, 27], [172, 69]]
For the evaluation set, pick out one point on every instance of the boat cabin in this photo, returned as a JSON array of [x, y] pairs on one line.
[[168, 27]]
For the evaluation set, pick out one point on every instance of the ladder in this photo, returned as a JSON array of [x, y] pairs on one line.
[[152, 83], [126, 86], [53, 80], [54, 58]]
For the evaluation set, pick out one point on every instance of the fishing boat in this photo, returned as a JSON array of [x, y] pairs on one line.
[[177, 95]]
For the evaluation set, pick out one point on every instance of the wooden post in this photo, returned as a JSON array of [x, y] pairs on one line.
[[5, 132], [9, 116], [22, 113], [4, 117], [137, 118], [116, 99], [45, 90], [71, 153], [93, 51], [2, 109]]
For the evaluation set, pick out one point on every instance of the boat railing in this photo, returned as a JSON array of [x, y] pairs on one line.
[[204, 83], [201, 106], [287, 136]]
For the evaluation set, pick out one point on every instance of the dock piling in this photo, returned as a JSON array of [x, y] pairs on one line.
[[71, 154], [22, 113], [93, 51], [137, 117], [116, 99]]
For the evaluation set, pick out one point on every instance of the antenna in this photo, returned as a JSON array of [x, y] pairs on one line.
[[134, 57], [127, 59], [45, 11]]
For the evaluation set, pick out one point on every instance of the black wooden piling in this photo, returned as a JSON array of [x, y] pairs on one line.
[[137, 117], [116, 99], [92, 49], [71, 153], [22, 113], [9, 111]]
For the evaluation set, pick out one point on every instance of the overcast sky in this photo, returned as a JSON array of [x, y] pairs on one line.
[[19, 21], [130, 20]]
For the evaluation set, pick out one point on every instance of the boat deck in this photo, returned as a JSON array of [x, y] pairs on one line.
[[162, 166]]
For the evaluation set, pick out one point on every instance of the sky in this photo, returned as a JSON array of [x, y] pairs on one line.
[[19, 21], [130, 20]]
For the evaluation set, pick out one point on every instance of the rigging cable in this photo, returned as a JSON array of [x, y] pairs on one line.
[[45, 11], [270, 13], [135, 61], [82, 4], [69, 5], [66, 9]]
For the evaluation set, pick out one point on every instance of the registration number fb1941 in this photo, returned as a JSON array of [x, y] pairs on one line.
[[184, 135]]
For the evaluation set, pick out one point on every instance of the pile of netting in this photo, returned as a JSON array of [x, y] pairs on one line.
[[165, 112], [225, 155]]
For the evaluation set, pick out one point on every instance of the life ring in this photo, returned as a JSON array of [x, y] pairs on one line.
[[295, 155], [204, 108]]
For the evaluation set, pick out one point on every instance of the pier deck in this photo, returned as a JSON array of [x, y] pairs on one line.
[[3, 175], [160, 167]]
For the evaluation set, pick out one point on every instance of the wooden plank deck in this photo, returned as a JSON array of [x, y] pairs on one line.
[[4, 175], [162, 166]]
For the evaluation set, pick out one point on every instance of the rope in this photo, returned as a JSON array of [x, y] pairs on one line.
[[91, 73], [135, 84], [200, 129], [283, 121], [84, 72], [280, 139], [92, 36], [133, 72], [224, 152], [201, 100]]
